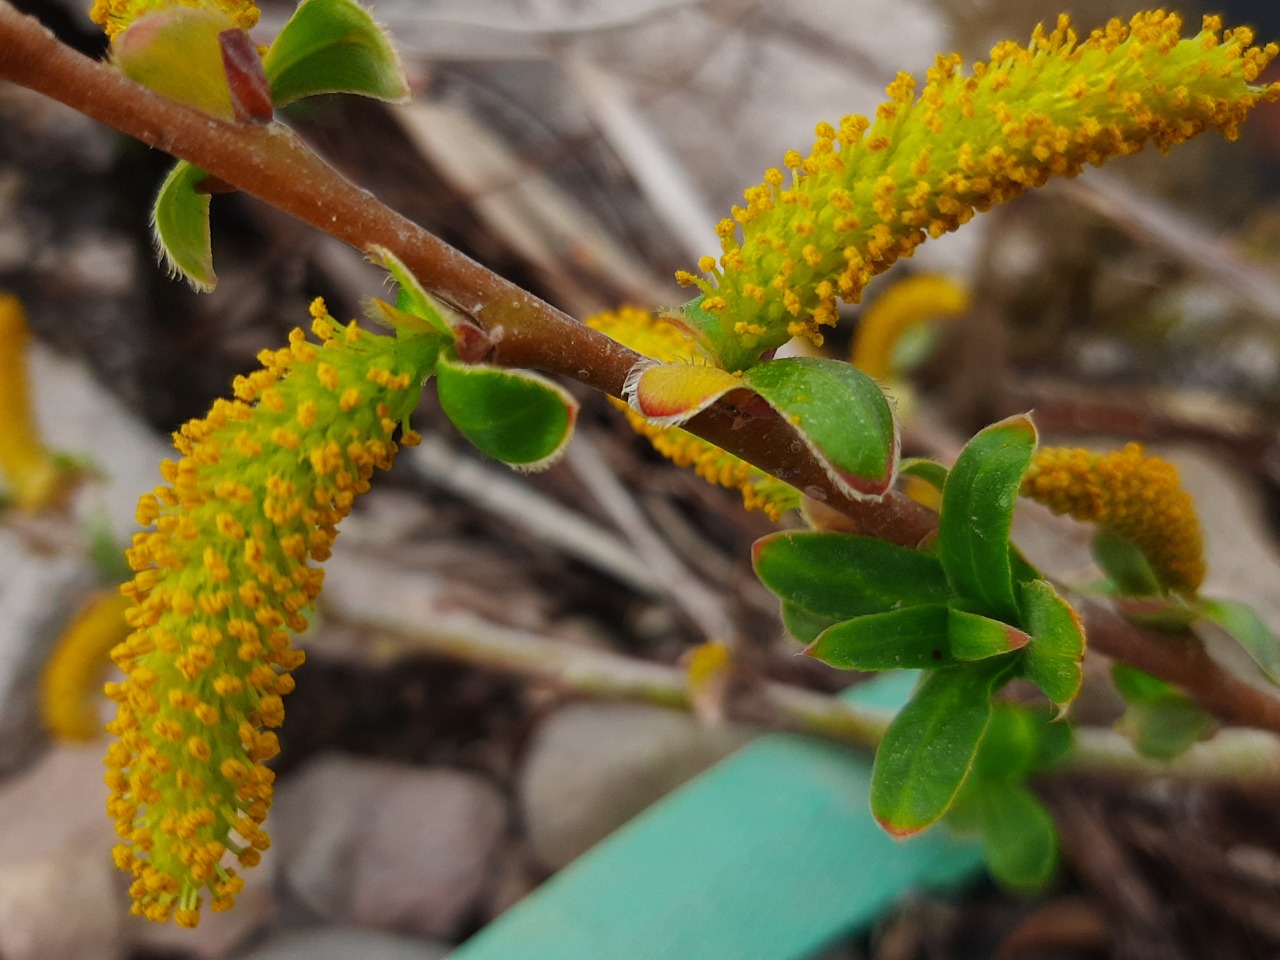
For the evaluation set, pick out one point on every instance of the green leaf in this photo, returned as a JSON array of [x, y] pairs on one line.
[[975, 637], [1052, 659], [1020, 841], [1124, 564], [804, 625], [841, 575], [930, 471], [1161, 721], [977, 511], [1165, 728], [840, 414], [1138, 686], [1243, 624], [333, 46], [405, 324], [514, 416], [911, 638], [930, 746], [413, 297], [180, 226], [1020, 739]]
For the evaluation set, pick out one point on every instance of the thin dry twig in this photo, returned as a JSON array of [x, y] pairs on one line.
[[500, 494], [407, 629], [704, 607]]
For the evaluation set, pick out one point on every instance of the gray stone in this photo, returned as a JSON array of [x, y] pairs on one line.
[[593, 766], [59, 907], [369, 842], [57, 804], [345, 943], [59, 896]]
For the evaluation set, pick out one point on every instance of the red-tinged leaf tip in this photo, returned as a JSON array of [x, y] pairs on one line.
[[670, 393], [758, 548], [1017, 639], [1021, 422], [250, 91], [898, 833]]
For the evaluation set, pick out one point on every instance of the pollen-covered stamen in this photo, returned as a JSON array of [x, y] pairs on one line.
[[870, 191], [1137, 496], [223, 578], [114, 16]]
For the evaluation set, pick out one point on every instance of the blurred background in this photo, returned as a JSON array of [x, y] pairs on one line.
[[585, 150]]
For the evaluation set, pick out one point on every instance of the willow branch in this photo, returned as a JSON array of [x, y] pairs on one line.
[[1181, 659], [271, 163]]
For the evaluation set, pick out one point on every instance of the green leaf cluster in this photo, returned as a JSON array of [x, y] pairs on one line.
[[970, 613], [327, 46]]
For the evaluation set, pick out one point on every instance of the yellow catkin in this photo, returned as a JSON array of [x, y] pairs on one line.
[[71, 682], [871, 190], [114, 16], [663, 338], [903, 307], [1134, 495], [35, 478], [224, 575]]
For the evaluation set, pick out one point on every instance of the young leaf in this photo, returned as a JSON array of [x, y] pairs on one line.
[[911, 638], [514, 416], [1165, 728], [930, 471], [1161, 721], [1020, 842], [1138, 686], [804, 625], [175, 52], [180, 226], [929, 749], [333, 46], [840, 575], [1125, 565], [977, 511], [840, 413], [1249, 630], [974, 637], [1052, 658], [404, 322], [1020, 740], [670, 393], [413, 297]]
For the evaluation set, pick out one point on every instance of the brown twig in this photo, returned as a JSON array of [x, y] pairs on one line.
[[272, 164]]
